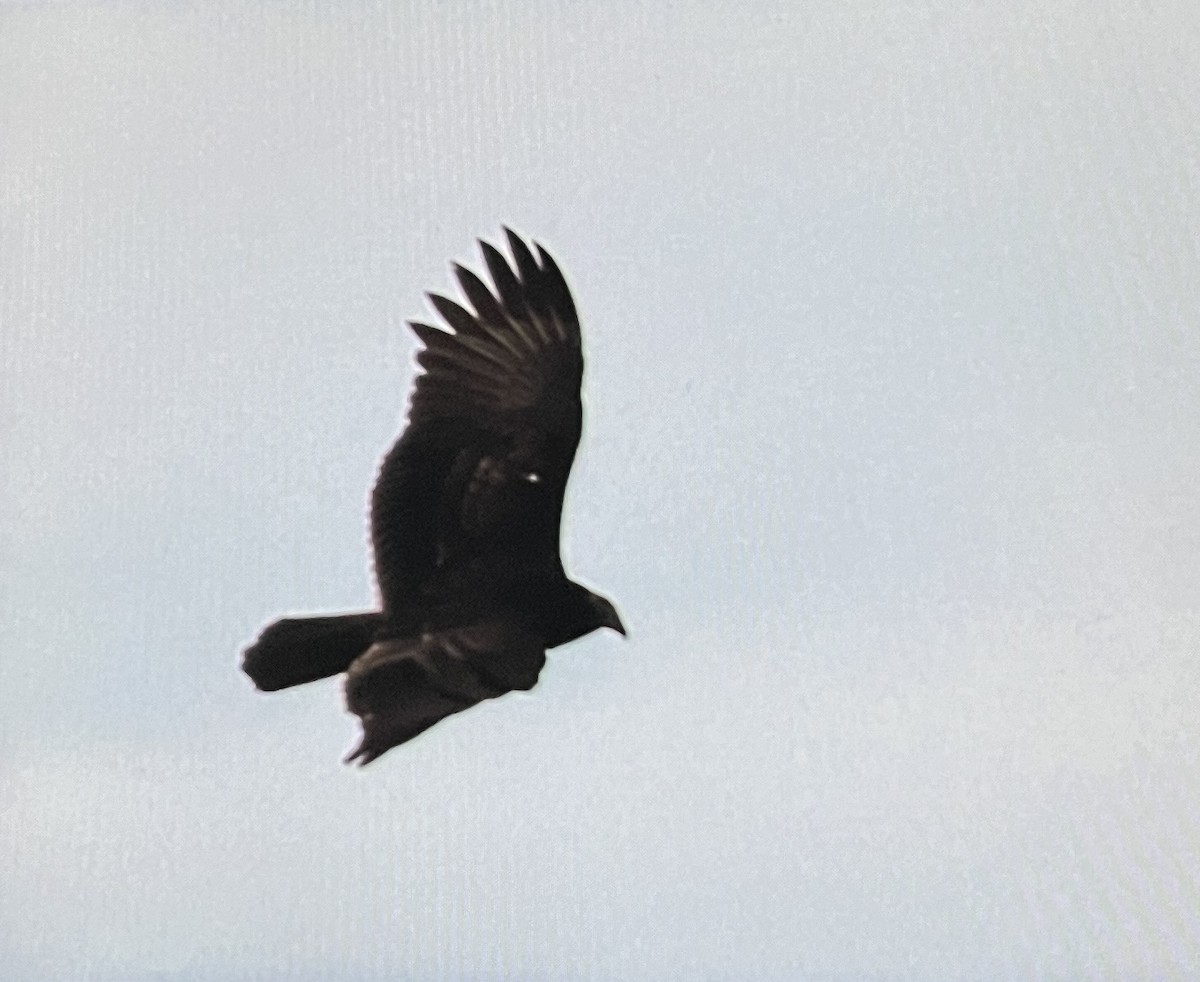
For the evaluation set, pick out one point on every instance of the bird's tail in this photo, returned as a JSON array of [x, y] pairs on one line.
[[295, 650]]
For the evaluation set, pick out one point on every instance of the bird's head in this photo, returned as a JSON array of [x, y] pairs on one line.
[[605, 614], [577, 613]]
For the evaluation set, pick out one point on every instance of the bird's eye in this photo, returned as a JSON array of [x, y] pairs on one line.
[[533, 477]]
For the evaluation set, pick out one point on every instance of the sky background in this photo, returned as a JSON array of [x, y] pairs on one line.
[[891, 463]]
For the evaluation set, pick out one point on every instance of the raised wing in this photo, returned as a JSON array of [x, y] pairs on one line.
[[478, 477], [517, 357]]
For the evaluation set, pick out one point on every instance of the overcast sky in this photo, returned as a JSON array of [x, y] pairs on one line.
[[891, 464]]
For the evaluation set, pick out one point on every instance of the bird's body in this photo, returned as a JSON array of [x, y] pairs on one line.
[[465, 518]]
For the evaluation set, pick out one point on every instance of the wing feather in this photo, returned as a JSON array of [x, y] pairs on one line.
[[528, 271], [509, 287], [558, 294], [457, 316], [487, 307]]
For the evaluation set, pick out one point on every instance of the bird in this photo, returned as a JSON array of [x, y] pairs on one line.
[[465, 518]]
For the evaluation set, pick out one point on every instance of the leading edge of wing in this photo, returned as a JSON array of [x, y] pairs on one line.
[[518, 349]]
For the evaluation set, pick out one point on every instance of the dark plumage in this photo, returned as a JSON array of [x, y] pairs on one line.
[[465, 519]]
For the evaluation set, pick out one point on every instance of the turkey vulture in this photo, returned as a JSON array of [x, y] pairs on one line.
[[465, 519]]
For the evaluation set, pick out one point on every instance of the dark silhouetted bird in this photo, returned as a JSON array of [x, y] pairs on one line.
[[465, 519]]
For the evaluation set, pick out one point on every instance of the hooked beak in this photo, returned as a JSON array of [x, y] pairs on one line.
[[614, 622]]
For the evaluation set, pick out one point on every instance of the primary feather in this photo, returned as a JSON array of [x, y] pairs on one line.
[[465, 517]]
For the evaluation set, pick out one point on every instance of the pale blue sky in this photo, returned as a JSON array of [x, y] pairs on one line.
[[891, 465]]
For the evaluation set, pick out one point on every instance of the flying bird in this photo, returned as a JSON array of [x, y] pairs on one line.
[[465, 517]]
